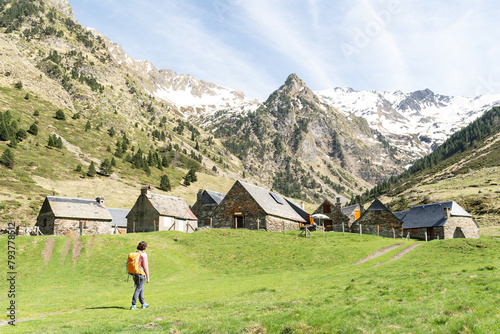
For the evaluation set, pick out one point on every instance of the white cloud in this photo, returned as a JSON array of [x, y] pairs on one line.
[[450, 47]]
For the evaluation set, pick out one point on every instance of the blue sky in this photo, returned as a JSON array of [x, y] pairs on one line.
[[451, 47]]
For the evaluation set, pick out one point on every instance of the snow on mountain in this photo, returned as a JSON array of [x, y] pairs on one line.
[[198, 99], [415, 122]]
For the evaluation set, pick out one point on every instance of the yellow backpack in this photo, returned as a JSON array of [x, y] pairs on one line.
[[133, 264]]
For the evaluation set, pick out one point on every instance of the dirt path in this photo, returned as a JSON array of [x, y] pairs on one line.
[[401, 253], [405, 251], [378, 253]]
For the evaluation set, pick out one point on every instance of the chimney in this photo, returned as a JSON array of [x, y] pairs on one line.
[[338, 202], [100, 200], [198, 196], [302, 206], [447, 212], [145, 190]]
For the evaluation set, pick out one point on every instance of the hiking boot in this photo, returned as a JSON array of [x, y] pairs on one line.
[[133, 307], [145, 305]]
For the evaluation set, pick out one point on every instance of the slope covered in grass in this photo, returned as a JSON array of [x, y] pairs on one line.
[[229, 281]]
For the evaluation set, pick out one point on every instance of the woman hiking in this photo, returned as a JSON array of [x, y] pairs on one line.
[[141, 277]]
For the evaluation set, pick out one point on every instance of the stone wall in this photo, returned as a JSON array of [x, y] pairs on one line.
[[277, 224], [72, 226], [50, 225], [420, 233], [45, 222], [143, 217], [203, 212], [379, 222], [468, 228], [239, 201], [455, 227]]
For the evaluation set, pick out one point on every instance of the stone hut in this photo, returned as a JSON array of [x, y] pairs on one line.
[[338, 221], [73, 216], [353, 212], [250, 207], [378, 220], [119, 222], [445, 220], [153, 212], [205, 205]]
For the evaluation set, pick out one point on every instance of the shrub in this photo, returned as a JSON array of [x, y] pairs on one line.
[[60, 115]]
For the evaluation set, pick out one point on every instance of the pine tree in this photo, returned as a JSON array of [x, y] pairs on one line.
[[4, 132], [106, 168], [165, 183], [91, 172], [33, 129], [147, 169], [21, 134], [13, 142], [113, 162], [88, 127], [51, 142], [58, 142], [7, 159]]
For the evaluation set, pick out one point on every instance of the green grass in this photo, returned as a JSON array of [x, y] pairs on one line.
[[228, 281]]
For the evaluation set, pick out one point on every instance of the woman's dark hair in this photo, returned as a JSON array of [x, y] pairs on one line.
[[142, 245]]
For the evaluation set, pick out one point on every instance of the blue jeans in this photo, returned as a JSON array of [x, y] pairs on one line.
[[139, 281]]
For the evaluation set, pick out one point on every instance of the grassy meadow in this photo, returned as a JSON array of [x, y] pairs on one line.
[[238, 281]]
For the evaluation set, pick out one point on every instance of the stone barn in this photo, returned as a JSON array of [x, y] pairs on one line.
[[73, 216], [119, 222], [446, 220], [250, 207], [205, 205], [378, 220], [153, 212]]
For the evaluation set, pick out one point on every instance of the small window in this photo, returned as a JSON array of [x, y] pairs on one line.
[[276, 197], [414, 231], [327, 208]]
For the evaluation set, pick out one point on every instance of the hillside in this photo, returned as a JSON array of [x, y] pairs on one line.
[[234, 281], [465, 168]]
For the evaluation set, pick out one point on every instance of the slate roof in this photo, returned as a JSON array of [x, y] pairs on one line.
[[119, 217], [349, 209], [377, 205], [211, 197], [171, 206], [78, 208], [297, 209], [270, 205], [430, 215], [401, 214]]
